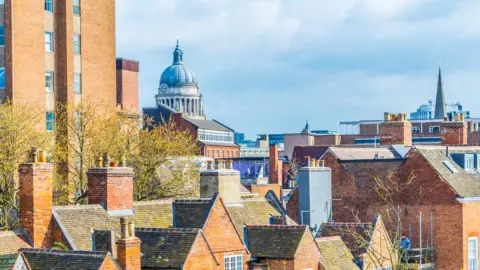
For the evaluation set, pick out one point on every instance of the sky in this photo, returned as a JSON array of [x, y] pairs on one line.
[[268, 66]]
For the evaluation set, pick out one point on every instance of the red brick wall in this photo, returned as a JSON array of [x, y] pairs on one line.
[[36, 202], [454, 132], [396, 132], [109, 264], [200, 256], [128, 253], [473, 138], [308, 255], [280, 264], [127, 84], [222, 236], [326, 140], [112, 186], [209, 150], [292, 206], [275, 165], [354, 194]]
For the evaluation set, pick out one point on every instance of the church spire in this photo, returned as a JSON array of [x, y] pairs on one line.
[[177, 55], [440, 100]]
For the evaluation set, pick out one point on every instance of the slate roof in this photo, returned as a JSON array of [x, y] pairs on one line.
[[58, 259], [11, 242], [166, 248], [78, 221], [364, 153], [190, 213], [7, 261], [335, 254], [274, 241], [356, 236], [313, 151], [465, 184], [208, 124], [159, 114]]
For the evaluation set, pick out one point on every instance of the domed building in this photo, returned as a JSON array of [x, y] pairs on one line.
[[178, 88], [179, 100]]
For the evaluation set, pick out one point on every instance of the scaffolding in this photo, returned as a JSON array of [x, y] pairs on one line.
[[421, 257]]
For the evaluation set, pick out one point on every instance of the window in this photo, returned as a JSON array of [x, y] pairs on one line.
[[2, 78], [2, 35], [76, 43], [49, 5], [469, 162], [77, 83], [48, 41], [434, 129], [50, 121], [234, 262], [76, 7], [473, 253], [49, 81], [415, 129]]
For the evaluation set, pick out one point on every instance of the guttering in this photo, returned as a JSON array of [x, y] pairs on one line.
[[468, 199]]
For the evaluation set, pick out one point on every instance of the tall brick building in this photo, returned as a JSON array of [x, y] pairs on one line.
[[57, 51]]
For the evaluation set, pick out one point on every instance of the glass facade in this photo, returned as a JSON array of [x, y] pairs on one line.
[[215, 136]]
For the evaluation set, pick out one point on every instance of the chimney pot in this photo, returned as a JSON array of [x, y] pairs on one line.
[[386, 117], [321, 163], [307, 161], [210, 165], [124, 230], [131, 228]]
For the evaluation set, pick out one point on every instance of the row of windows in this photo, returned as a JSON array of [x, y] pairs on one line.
[[221, 154], [234, 262], [49, 6], [431, 129], [49, 82], [49, 42], [215, 136]]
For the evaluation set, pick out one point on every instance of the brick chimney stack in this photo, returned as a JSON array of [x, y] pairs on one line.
[[35, 181], [128, 246], [111, 187], [454, 132], [223, 179], [396, 129], [275, 165]]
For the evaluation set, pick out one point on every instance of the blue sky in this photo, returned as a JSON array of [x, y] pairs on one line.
[[266, 66]]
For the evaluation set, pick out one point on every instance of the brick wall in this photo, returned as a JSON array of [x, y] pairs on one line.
[[275, 165], [292, 206], [473, 138], [36, 202], [327, 140], [308, 255], [280, 264], [98, 50], [396, 132], [109, 264], [222, 236], [127, 84], [454, 132], [354, 194], [128, 253], [200, 256], [111, 186], [220, 151]]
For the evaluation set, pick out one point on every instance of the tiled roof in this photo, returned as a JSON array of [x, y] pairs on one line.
[[190, 213], [58, 259], [356, 236], [8, 261], [274, 241], [166, 248], [364, 153], [11, 242], [335, 255], [465, 184], [79, 221]]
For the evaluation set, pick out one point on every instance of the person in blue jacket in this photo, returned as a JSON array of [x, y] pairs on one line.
[[404, 247]]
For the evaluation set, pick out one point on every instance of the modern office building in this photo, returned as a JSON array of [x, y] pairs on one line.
[[57, 51]]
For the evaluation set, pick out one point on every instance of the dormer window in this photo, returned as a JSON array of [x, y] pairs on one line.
[[469, 162]]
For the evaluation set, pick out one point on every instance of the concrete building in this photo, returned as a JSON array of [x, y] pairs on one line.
[[57, 51]]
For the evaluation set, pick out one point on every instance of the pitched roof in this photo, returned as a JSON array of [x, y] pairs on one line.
[[8, 261], [274, 241], [78, 221], [465, 184], [166, 248], [190, 213], [208, 124], [356, 236], [364, 153], [59, 259], [335, 254], [12, 242], [313, 151]]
